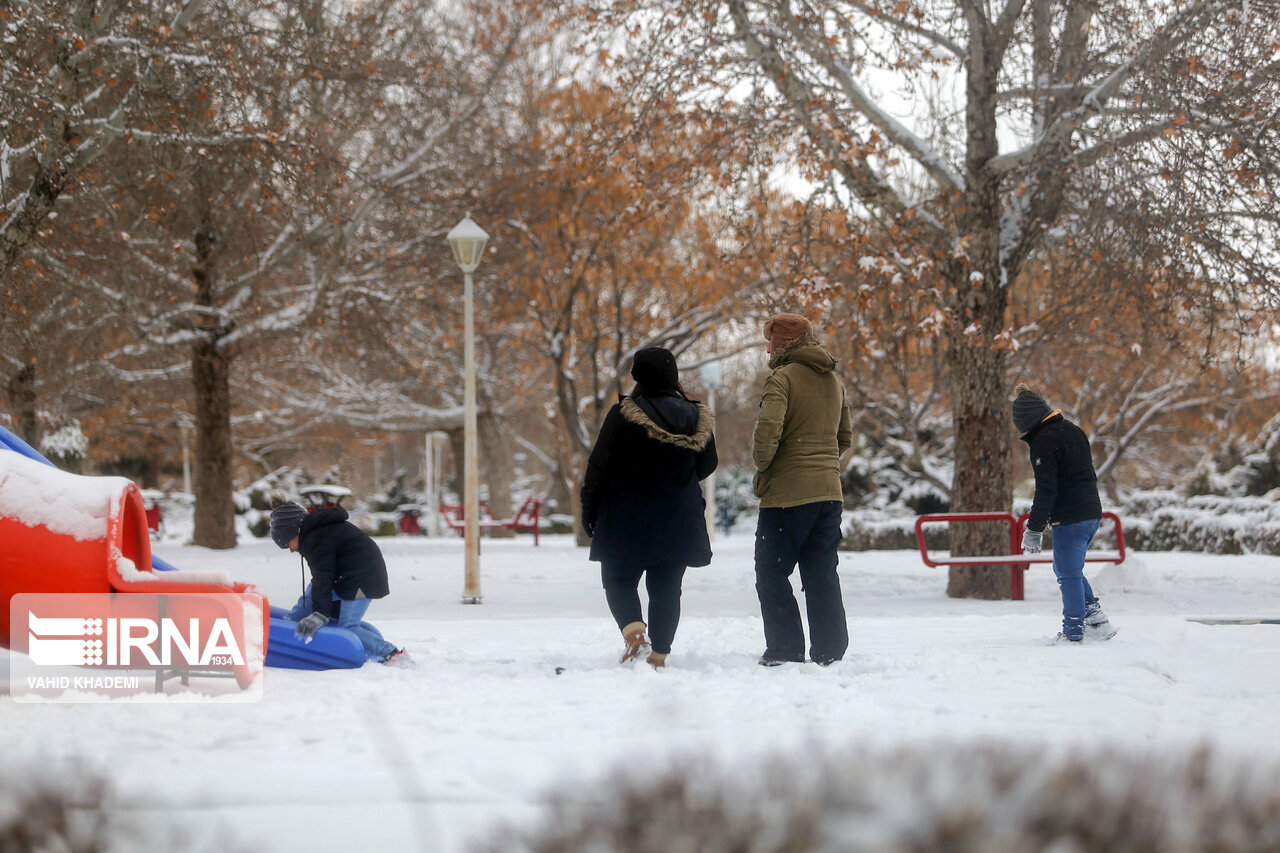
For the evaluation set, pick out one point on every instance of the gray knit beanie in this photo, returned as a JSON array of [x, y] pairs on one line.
[[1029, 409], [286, 519]]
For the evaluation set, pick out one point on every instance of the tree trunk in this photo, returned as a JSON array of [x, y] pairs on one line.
[[980, 418], [497, 469], [22, 398], [981, 481], [215, 511]]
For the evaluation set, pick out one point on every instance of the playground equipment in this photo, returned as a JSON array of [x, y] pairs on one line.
[[64, 532], [323, 495], [1015, 559], [525, 520]]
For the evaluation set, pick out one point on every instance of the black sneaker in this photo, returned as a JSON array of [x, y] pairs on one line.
[[769, 660]]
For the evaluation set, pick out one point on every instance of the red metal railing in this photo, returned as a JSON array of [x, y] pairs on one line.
[[1015, 559]]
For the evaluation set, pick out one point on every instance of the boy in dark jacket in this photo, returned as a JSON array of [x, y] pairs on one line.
[[347, 573], [1067, 498], [642, 505]]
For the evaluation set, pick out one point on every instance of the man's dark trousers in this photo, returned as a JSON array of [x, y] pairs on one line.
[[809, 535]]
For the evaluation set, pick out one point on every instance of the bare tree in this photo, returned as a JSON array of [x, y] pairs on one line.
[[266, 203]]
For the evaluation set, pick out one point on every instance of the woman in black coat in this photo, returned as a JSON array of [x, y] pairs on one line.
[[641, 502]]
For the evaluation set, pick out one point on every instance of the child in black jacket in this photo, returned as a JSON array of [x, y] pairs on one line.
[[1066, 498], [347, 573]]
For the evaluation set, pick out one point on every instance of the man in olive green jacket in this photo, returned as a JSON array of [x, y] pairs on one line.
[[801, 433]]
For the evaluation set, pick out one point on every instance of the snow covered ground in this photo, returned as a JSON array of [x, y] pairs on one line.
[[436, 757]]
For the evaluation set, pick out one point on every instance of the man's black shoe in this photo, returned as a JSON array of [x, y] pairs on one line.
[[769, 660]]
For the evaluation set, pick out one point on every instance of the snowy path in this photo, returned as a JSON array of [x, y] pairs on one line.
[[433, 758]]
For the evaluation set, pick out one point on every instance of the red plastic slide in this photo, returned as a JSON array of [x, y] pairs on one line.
[[66, 533]]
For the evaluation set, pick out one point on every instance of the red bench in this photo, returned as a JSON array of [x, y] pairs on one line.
[[524, 521], [1017, 561]]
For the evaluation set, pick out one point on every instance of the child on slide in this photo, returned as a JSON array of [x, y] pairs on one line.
[[346, 568]]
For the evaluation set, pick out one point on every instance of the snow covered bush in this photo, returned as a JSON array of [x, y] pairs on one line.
[[963, 799], [888, 482], [734, 495], [1162, 521], [66, 447], [865, 530], [51, 809], [65, 807]]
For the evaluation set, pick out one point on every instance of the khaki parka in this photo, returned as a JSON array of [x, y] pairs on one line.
[[803, 429]]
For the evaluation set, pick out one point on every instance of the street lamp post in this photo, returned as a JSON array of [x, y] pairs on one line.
[[711, 375], [467, 241]]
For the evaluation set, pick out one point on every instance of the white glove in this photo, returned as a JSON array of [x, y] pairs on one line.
[[1031, 541]]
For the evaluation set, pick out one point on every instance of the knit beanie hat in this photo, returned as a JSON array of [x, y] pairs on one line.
[[780, 329], [654, 369], [1029, 409], [286, 519]]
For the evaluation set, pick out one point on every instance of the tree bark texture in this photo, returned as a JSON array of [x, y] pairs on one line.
[[214, 451], [22, 399], [215, 512], [497, 470]]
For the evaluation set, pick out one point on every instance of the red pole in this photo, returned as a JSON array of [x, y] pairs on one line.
[[1015, 569]]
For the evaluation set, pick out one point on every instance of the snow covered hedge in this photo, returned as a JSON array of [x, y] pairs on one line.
[[964, 799], [868, 530], [1164, 521], [1152, 521], [67, 807], [51, 809]]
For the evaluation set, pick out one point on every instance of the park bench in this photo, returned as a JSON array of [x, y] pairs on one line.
[[524, 521]]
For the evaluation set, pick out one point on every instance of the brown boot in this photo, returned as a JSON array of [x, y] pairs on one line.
[[657, 660], [637, 643]]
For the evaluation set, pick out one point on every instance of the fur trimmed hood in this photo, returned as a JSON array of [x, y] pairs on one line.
[[632, 413]]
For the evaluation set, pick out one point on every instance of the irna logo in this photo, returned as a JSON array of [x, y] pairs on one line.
[[139, 641], [83, 646]]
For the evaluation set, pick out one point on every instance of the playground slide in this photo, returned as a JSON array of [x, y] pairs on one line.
[[67, 533], [64, 533]]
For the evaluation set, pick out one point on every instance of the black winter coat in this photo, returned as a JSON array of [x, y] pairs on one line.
[[1066, 485], [342, 558], [641, 491]]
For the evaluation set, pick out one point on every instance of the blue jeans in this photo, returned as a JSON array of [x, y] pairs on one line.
[[1070, 542], [350, 615]]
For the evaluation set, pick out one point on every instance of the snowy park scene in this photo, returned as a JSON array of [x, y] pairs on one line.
[[483, 731], [590, 425]]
